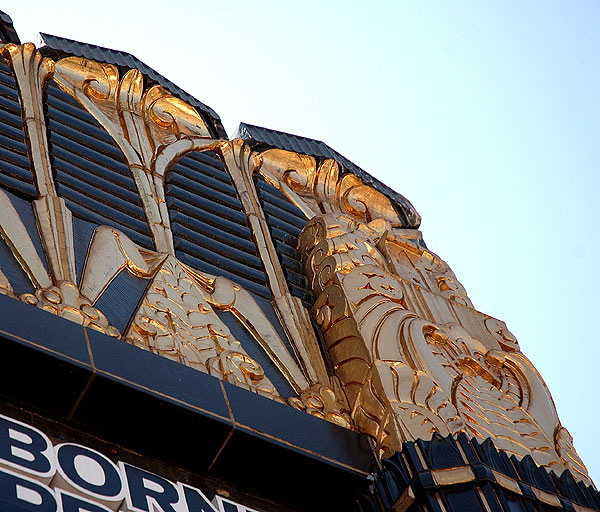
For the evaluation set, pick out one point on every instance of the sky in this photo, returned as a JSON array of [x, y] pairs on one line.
[[485, 115]]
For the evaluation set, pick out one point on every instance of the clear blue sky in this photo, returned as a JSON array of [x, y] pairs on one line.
[[486, 115]]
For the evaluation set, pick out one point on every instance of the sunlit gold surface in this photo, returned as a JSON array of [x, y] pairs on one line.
[[176, 318], [323, 187], [53, 217], [151, 127], [309, 378], [15, 235], [241, 164], [324, 402], [175, 321], [32, 72], [412, 353], [412, 356]]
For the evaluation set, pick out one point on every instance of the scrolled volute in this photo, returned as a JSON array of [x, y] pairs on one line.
[[326, 187]]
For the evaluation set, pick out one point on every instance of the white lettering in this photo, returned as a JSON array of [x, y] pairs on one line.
[[85, 480], [90, 470], [29, 495], [26, 449]]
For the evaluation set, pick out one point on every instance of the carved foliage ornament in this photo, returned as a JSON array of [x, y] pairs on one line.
[[323, 187], [411, 354], [414, 357], [177, 316], [151, 127]]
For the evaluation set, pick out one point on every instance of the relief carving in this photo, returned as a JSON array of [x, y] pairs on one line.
[[176, 321], [412, 354], [152, 128], [324, 188], [53, 294], [319, 394], [176, 317]]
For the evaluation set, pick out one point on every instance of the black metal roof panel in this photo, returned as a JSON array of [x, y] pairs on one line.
[[209, 226], [285, 224], [63, 46], [15, 171], [8, 33], [91, 174], [258, 136]]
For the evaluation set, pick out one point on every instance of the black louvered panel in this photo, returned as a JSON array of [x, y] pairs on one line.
[[208, 223], [75, 129], [15, 170], [10, 93], [285, 223], [207, 187], [57, 47], [203, 263], [100, 191], [209, 212], [88, 208], [275, 203], [225, 252], [99, 180], [9, 264], [263, 138], [91, 173]]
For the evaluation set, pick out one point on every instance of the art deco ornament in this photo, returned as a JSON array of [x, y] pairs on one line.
[[411, 355], [414, 356], [176, 318]]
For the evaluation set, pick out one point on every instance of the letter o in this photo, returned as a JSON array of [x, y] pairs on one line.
[[89, 472]]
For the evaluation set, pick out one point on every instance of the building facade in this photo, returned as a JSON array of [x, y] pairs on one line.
[[196, 322]]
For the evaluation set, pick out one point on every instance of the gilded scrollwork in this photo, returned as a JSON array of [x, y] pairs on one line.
[[421, 267], [505, 338], [324, 402], [442, 279], [152, 128], [325, 188], [406, 374], [491, 391], [176, 318], [411, 354], [309, 377], [65, 300]]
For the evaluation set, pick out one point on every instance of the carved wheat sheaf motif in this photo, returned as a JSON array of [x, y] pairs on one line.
[[176, 317], [411, 355], [177, 322]]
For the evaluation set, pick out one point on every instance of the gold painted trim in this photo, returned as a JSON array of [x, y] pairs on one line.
[[452, 476], [508, 483], [242, 163], [412, 353], [32, 72], [406, 499], [15, 234], [152, 128]]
